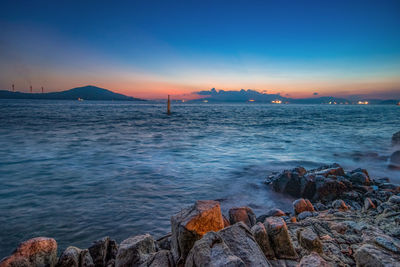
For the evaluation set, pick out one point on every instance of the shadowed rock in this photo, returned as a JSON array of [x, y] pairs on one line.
[[261, 236], [212, 251], [313, 260], [241, 242], [309, 240], [395, 160], [339, 205], [360, 178], [135, 251], [75, 257], [280, 239], [396, 139], [38, 252], [191, 224], [242, 214], [102, 251]]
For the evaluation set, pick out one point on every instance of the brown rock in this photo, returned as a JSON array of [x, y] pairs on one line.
[[242, 214], [191, 224], [261, 236], [226, 221], [339, 205], [313, 260], [301, 205], [38, 252], [293, 219], [309, 240], [280, 239], [368, 204]]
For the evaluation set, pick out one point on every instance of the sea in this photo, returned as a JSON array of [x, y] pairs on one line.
[[81, 170]]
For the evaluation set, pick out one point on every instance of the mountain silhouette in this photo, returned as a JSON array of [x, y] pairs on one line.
[[86, 92]]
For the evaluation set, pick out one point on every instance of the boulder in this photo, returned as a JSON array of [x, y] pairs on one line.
[[339, 205], [75, 257], [360, 178], [309, 240], [279, 237], [304, 214], [289, 182], [301, 205], [102, 251], [394, 161], [335, 170], [226, 221], [396, 139], [191, 224], [329, 189], [261, 236], [276, 212], [313, 260], [37, 252], [370, 256], [164, 242], [242, 214], [160, 258], [135, 251], [241, 242], [212, 251]]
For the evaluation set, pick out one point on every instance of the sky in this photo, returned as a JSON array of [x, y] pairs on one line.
[[151, 48]]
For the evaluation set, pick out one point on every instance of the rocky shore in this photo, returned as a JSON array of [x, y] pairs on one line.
[[341, 218]]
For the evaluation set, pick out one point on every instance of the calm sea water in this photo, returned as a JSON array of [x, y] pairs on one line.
[[78, 171]]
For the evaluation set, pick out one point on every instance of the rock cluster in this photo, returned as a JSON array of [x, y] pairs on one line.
[[339, 219]]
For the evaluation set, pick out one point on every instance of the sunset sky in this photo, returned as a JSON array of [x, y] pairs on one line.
[[152, 48]]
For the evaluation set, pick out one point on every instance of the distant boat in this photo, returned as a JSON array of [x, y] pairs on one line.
[[80, 99]]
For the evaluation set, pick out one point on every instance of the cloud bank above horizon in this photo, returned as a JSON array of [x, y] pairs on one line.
[[150, 49]]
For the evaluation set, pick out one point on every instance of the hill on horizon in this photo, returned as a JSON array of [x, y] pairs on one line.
[[88, 92]]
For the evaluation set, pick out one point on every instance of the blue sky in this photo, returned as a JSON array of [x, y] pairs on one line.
[[151, 48]]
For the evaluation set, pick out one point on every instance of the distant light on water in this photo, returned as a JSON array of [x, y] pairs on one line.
[[276, 102], [362, 102]]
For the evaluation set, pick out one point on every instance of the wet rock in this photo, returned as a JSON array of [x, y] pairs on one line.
[[360, 178], [313, 260], [241, 242], [288, 182], [160, 258], [279, 238], [276, 212], [339, 205], [242, 214], [329, 189], [396, 139], [135, 251], [325, 171], [191, 224], [301, 205], [320, 207], [39, 251], [370, 256], [309, 240], [368, 204], [212, 251], [261, 236], [102, 251], [75, 257], [394, 161]]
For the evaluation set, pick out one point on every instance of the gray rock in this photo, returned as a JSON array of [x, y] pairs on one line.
[[135, 251], [102, 251], [313, 260], [279, 237], [368, 204], [320, 207], [304, 214], [191, 224], [242, 214], [309, 240], [241, 242], [164, 242], [370, 256], [261, 236], [394, 200], [388, 243], [394, 162], [212, 251], [75, 257], [360, 178], [160, 258]]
